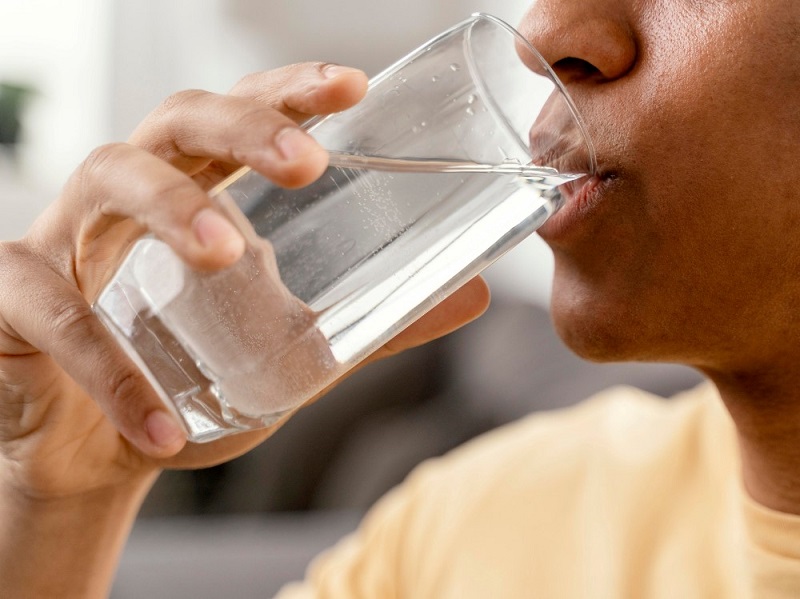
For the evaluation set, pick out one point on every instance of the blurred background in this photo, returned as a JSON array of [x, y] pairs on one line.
[[78, 73]]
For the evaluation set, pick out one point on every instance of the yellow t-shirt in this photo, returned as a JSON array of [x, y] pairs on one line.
[[625, 495]]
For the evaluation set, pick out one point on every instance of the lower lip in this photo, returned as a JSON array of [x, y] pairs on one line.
[[581, 200]]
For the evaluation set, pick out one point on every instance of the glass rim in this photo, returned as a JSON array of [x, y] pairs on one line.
[[482, 16], [551, 74], [389, 70]]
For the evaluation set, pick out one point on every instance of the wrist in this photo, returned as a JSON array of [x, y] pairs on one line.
[[66, 546]]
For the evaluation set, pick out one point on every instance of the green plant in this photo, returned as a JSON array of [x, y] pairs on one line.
[[13, 98]]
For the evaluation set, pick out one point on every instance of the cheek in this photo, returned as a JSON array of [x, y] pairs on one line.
[[713, 135], [705, 131], [718, 94]]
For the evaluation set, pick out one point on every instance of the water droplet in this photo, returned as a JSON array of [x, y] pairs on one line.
[[423, 124], [346, 246], [470, 111], [455, 67], [435, 78], [471, 99]]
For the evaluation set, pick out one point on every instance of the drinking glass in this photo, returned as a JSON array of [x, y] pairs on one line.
[[454, 156]]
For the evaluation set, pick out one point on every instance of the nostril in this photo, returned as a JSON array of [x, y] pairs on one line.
[[575, 69], [588, 42]]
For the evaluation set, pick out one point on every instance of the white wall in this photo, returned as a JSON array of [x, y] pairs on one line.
[[61, 47], [162, 47]]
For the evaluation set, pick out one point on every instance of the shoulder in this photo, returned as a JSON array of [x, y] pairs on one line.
[[621, 446], [616, 424], [520, 503]]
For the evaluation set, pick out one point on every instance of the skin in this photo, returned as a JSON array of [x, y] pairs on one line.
[[685, 247], [682, 248]]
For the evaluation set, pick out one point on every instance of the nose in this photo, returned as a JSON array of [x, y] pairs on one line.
[[583, 40]]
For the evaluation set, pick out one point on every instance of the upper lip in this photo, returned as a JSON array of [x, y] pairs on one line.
[[580, 199], [557, 139], [573, 190], [573, 159], [566, 151]]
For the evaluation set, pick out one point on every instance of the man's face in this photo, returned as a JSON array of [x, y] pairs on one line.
[[687, 246]]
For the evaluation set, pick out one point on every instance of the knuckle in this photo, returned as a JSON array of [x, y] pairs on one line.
[[166, 128], [250, 82], [269, 86], [163, 189], [124, 385], [10, 253], [16, 257], [302, 69], [180, 101], [264, 119], [89, 178], [71, 320], [98, 161], [172, 195], [317, 66], [314, 66]]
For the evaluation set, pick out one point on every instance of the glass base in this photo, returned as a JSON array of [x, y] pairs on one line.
[[171, 371]]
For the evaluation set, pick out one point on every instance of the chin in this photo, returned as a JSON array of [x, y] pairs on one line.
[[603, 329], [591, 338]]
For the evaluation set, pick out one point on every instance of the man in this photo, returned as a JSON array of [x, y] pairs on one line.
[[682, 249]]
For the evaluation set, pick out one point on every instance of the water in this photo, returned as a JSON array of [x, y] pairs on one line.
[[549, 177], [332, 272]]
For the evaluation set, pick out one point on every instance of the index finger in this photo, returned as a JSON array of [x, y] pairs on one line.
[[304, 90], [191, 128]]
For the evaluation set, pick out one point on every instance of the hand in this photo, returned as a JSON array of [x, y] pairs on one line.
[[76, 415]]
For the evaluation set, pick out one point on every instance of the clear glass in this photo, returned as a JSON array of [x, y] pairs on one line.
[[454, 156]]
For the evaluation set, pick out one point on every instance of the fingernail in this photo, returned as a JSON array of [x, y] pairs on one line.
[[334, 70], [162, 429], [214, 230], [295, 143]]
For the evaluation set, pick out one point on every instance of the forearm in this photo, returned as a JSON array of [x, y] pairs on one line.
[[68, 547]]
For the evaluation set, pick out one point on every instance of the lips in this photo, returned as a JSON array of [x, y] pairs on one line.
[[558, 139], [583, 198], [564, 149], [568, 154]]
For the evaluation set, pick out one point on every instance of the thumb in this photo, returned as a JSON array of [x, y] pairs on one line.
[[49, 313]]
